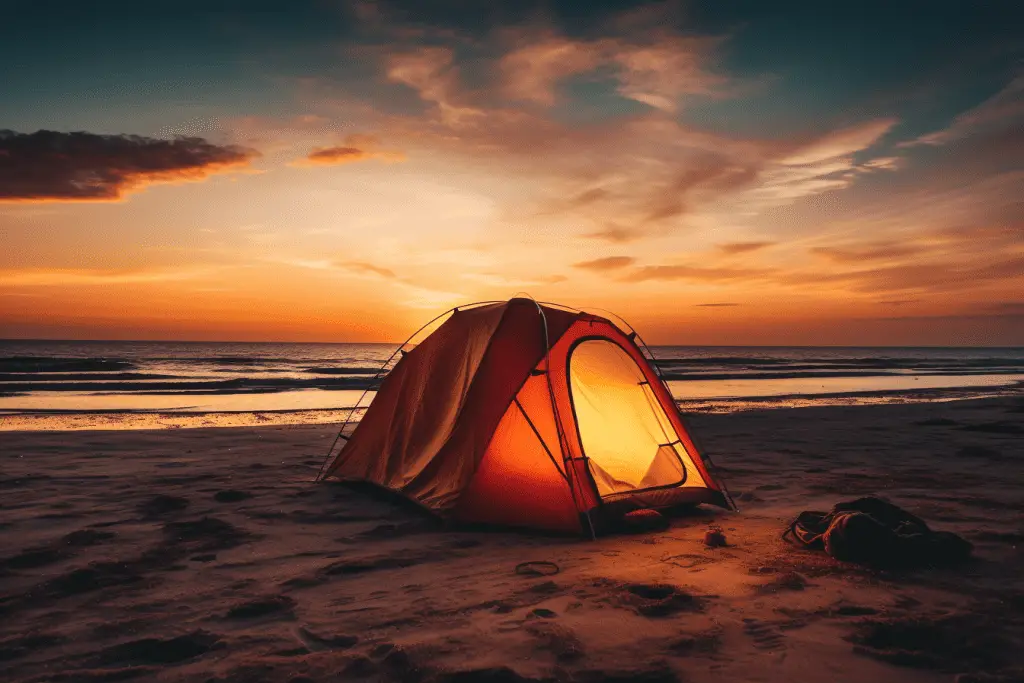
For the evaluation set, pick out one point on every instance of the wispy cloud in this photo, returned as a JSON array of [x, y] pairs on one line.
[[84, 277], [605, 264], [364, 267], [655, 67], [840, 143], [716, 305], [695, 274], [432, 73], [1005, 105], [743, 247], [868, 252], [616, 233]]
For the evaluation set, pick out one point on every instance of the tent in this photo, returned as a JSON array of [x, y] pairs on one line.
[[530, 415]]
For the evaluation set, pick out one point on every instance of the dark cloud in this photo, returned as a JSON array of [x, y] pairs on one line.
[[607, 263], [743, 247], [721, 305], [67, 167]]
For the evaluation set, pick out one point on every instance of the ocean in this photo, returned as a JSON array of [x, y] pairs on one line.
[[283, 380]]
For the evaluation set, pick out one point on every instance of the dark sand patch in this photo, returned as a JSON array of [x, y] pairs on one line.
[[278, 605], [231, 496], [950, 643], [160, 505]]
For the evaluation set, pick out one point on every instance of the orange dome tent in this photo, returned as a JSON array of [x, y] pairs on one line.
[[528, 415]]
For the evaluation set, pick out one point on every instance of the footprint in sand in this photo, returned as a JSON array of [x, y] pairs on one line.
[[556, 639], [318, 642], [278, 605], [659, 600], [157, 651], [160, 505], [766, 636]]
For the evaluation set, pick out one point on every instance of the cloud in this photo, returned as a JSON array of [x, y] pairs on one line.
[[840, 143], [607, 263], [1005, 105], [706, 174], [721, 305], [84, 277], [898, 302], [580, 200], [335, 156], [653, 66], [732, 248], [616, 233], [823, 165], [871, 252], [660, 73], [431, 72], [934, 276], [531, 72], [694, 274], [49, 166], [882, 164], [364, 267], [492, 279]]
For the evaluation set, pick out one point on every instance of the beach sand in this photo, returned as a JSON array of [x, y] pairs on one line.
[[210, 555]]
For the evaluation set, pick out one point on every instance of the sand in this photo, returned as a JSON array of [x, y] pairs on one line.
[[210, 555]]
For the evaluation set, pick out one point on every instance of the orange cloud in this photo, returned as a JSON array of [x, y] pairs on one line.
[[694, 274], [84, 277], [616, 233], [608, 263], [431, 72], [49, 166], [654, 67], [364, 267], [334, 156], [874, 252], [743, 247]]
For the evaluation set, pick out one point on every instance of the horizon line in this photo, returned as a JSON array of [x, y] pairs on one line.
[[389, 343]]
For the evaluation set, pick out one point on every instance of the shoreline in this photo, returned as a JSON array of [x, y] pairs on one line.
[[143, 419]]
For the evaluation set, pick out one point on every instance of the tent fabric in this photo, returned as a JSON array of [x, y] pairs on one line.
[[523, 414]]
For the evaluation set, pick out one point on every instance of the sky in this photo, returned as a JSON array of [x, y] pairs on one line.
[[741, 173]]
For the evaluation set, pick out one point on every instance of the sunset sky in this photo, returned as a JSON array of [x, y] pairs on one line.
[[716, 172]]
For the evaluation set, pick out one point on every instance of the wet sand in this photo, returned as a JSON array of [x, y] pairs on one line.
[[209, 555]]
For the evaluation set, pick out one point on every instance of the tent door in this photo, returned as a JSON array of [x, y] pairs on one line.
[[628, 439]]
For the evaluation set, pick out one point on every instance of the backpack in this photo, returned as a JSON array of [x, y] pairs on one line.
[[874, 532]]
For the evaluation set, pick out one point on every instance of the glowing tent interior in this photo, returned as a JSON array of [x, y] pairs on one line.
[[529, 415]]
